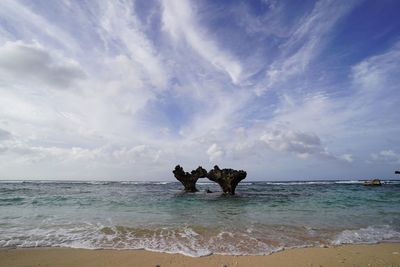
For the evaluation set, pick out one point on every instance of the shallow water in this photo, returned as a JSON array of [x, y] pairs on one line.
[[262, 218]]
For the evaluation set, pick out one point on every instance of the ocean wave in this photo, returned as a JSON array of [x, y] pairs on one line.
[[300, 183], [391, 182], [349, 182], [213, 183], [317, 182], [59, 182], [194, 241], [369, 235], [144, 183], [189, 241], [11, 201]]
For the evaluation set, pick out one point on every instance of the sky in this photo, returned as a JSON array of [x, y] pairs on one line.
[[126, 90]]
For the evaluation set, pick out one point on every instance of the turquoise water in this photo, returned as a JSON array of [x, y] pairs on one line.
[[262, 218]]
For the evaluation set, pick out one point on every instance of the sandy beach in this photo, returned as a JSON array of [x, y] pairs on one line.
[[387, 254]]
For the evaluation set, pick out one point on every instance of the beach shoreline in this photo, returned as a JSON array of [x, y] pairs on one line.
[[383, 254]]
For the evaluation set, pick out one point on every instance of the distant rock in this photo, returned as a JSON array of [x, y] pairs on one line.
[[228, 179], [375, 182], [189, 179], [397, 172]]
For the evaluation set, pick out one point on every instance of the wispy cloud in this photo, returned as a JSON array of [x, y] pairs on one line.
[[179, 20], [22, 23], [379, 72], [385, 157], [305, 43], [119, 24]]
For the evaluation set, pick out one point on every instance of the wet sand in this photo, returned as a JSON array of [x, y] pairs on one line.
[[387, 254]]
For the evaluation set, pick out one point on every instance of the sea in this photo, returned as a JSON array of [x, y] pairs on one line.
[[262, 218]]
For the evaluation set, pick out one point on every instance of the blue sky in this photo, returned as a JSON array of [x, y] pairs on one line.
[[286, 90]]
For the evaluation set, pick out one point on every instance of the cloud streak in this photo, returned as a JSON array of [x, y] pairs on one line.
[[179, 21]]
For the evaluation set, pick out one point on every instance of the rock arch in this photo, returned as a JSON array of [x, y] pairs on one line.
[[227, 179]]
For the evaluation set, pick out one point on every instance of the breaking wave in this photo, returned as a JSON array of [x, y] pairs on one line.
[[368, 235], [194, 241]]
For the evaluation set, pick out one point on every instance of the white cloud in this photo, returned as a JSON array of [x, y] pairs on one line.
[[305, 43], [179, 20], [23, 21], [347, 157], [119, 23], [29, 63], [108, 155], [141, 153], [4, 135], [378, 72], [214, 152], [386, 157], [300, 143], [270, 23]]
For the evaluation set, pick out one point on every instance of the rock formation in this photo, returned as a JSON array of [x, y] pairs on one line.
[[397, 172], [228, 179], [373, 182], [189, 179]]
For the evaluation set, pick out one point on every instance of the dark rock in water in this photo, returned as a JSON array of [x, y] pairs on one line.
[[397, 172], [208, 191], [189, 179], [228, 179], [373, 182]]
